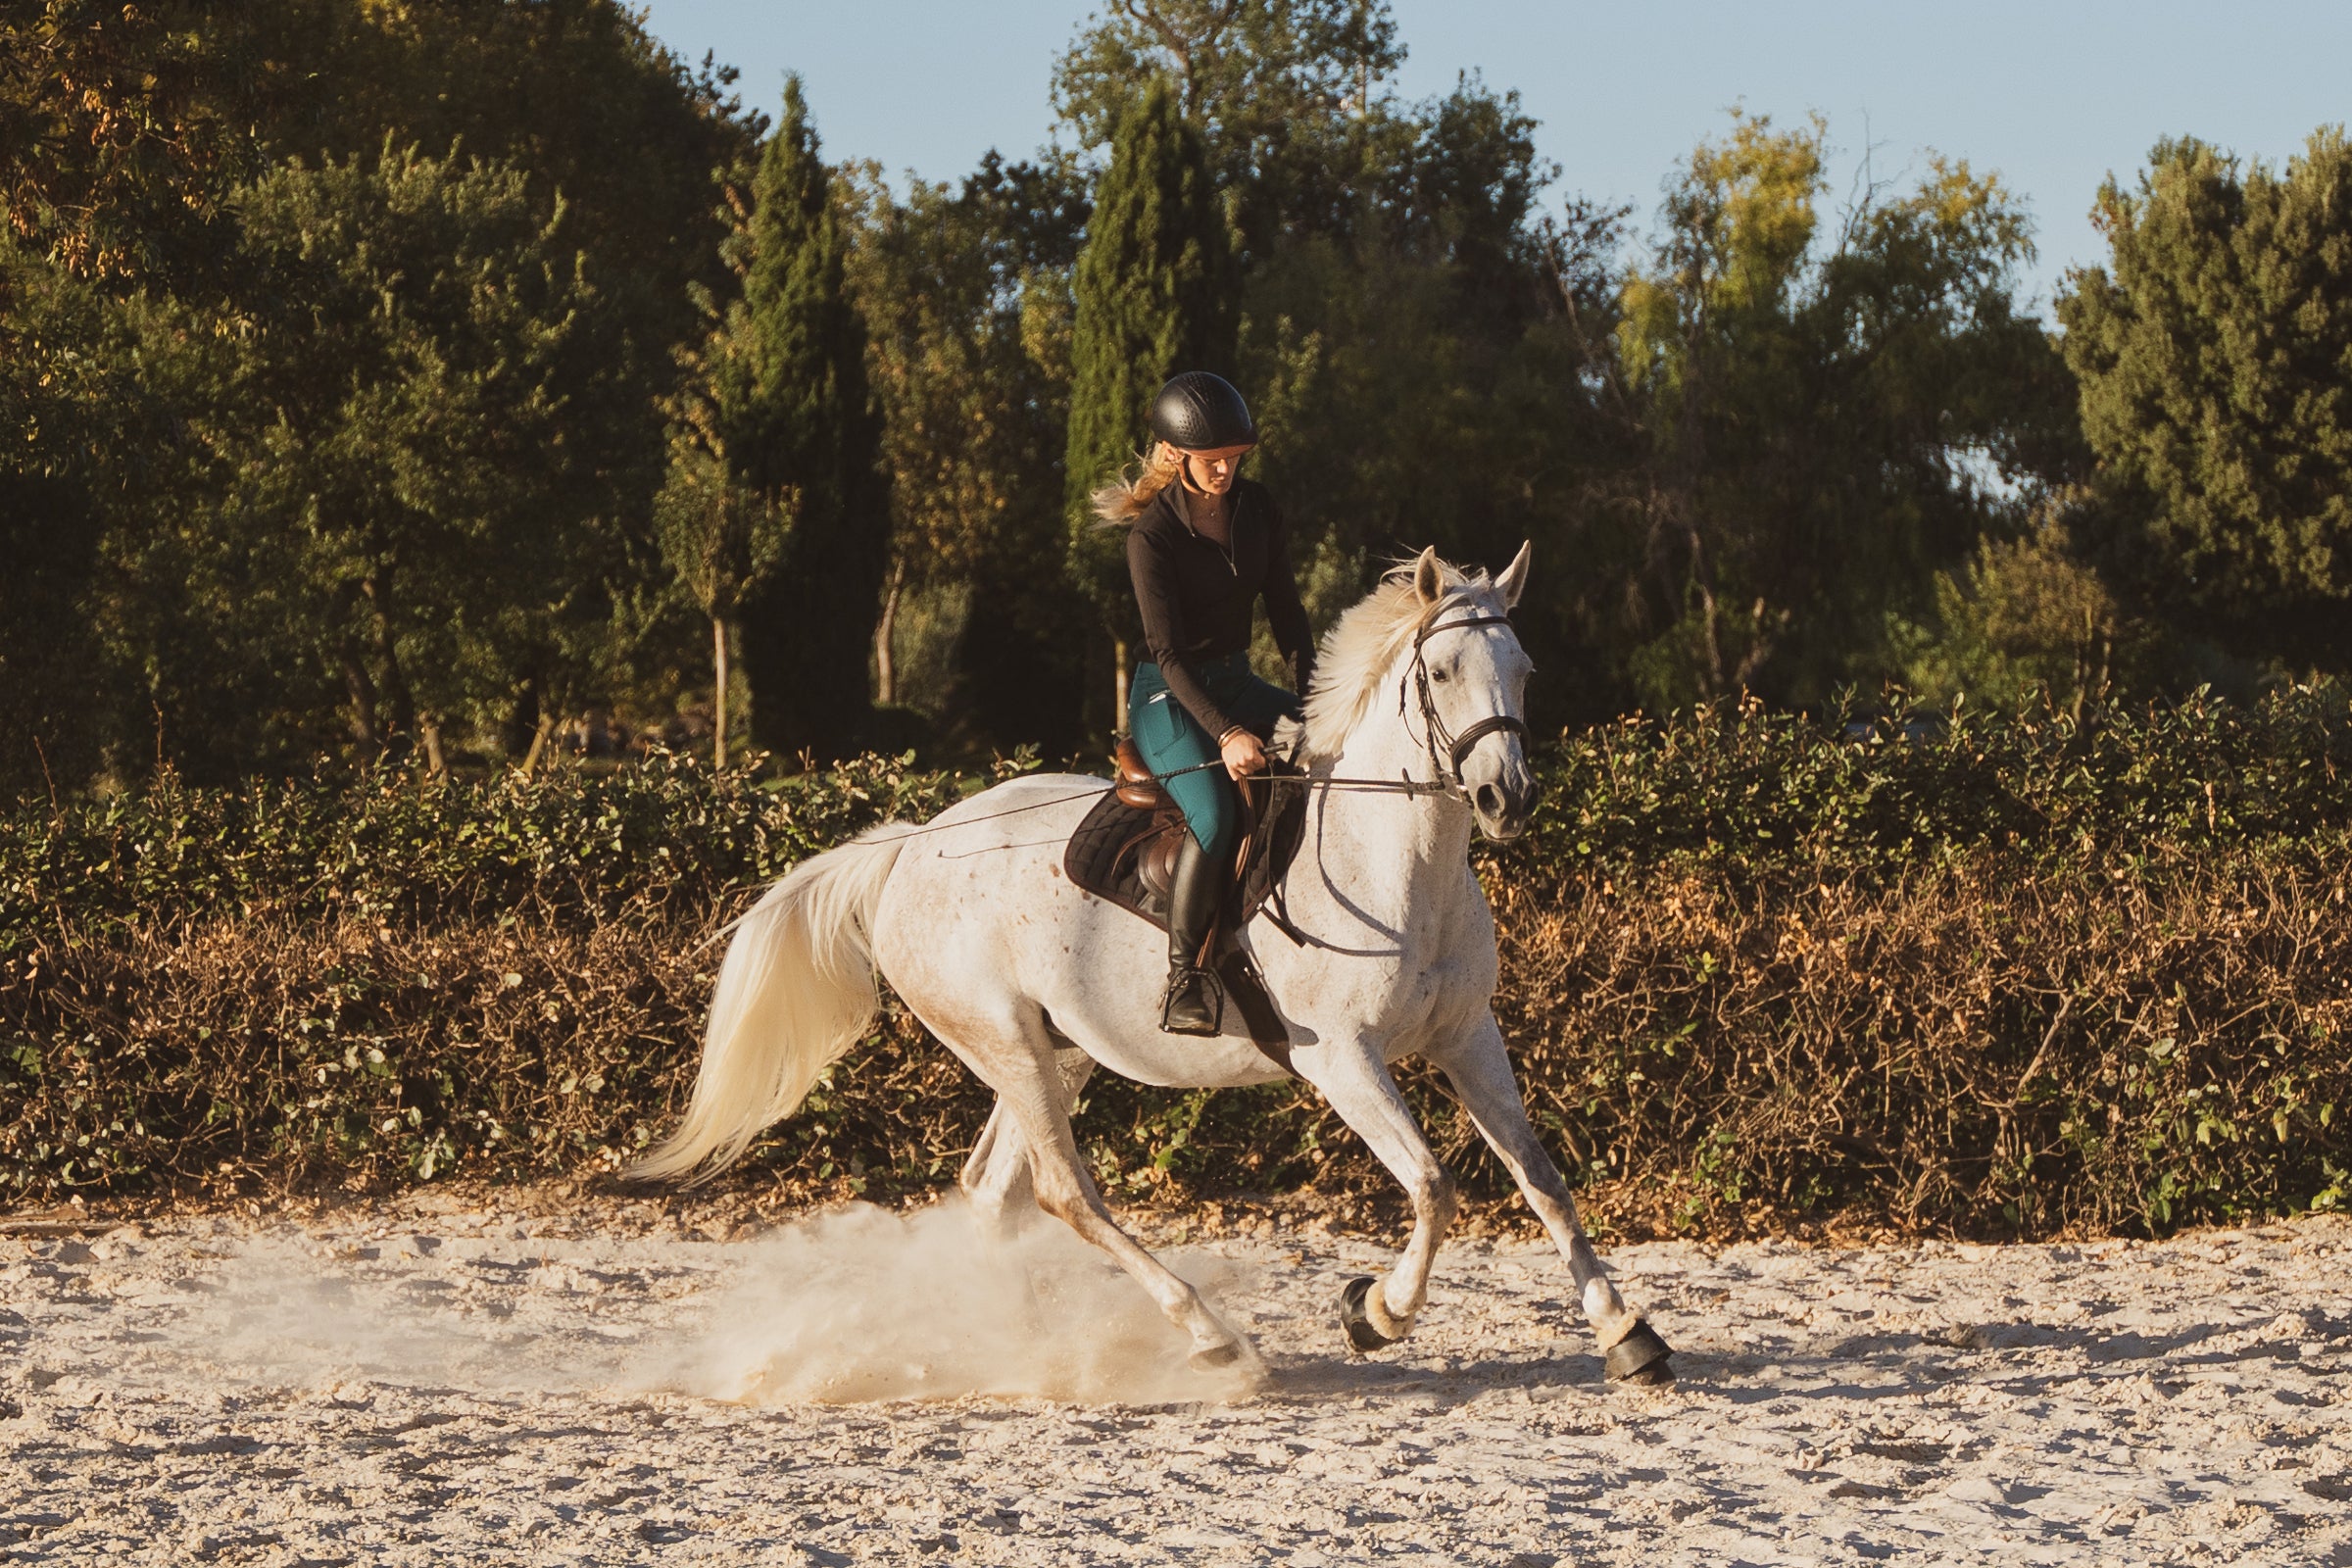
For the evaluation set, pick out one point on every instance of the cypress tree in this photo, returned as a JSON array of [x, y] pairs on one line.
[[1153, 295], [806, 433]]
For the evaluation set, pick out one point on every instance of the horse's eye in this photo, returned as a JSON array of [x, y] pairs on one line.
[[1439, 674]]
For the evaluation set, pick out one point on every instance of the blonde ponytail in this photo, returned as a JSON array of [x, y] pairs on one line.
[[1123, 500]]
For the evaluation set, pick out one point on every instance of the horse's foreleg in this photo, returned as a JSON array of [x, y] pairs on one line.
[[1480, 1070], [1358, 1086]]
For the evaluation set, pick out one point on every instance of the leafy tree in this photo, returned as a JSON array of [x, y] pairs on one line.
[[1819, 424], [724, 539], [1288, 94], [577, 95], [120, 128], [386, 481], [2028, 620], [953, 283], [1153, 296], [796, 420], [126, 134], [1306, 135], [2214, 358], [123, 127], [65, 409], [1391, 359]]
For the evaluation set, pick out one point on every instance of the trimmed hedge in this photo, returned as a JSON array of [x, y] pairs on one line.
[[374, 979], [1979, 975]]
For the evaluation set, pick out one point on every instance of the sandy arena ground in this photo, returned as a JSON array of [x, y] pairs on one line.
[[402, 1383]]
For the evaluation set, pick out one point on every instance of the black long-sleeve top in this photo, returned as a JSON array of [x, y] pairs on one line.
[[1197, 596]]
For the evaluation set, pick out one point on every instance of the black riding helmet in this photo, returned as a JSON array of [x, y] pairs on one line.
[[1197, 411]]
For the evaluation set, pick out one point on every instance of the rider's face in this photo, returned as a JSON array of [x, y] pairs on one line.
[[1212, 472]]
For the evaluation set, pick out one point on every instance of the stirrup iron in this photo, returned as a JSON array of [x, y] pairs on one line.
[[1195, 1004]]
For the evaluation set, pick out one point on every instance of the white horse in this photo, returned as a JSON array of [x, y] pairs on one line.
[[1033, 982]]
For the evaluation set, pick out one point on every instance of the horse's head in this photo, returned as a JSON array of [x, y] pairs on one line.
[[1427, 664], [1470, 675]]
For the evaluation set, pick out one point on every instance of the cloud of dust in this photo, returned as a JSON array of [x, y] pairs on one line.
[[855, 1305], [863, 1304], [275, 1316]]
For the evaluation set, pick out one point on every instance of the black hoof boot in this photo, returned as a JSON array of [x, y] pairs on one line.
[[1195, 1004], [1360, 1333], [1639, 1357], [1215, 1358]]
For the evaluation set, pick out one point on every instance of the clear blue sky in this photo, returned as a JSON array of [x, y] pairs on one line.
[[2053, 95]]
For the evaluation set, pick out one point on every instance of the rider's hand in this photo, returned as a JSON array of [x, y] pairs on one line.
[[1244, 756]]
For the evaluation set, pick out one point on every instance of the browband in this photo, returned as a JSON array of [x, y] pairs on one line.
[[1437, 626]]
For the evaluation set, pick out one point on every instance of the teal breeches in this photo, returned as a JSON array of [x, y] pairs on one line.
[[1170, 739]]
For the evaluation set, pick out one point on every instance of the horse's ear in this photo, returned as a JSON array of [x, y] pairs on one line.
[[1513, 582], [1429, 580]]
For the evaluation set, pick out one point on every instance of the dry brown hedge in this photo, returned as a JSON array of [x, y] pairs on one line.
[[1961, 1050], [1752, 979], [229, 1055]]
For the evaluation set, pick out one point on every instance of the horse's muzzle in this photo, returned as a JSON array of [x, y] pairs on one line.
[[1504, 811]]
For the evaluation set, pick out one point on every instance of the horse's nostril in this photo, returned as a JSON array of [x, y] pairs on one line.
[[1489, 800]]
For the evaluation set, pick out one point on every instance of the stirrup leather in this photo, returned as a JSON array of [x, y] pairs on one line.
[[1195, 1004]]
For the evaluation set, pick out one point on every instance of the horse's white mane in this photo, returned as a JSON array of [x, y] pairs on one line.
[[1365, 641]]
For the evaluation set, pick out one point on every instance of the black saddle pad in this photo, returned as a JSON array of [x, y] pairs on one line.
[[1103, 859]]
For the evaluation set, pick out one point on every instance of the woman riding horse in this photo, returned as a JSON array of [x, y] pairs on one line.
[[1202, 546]]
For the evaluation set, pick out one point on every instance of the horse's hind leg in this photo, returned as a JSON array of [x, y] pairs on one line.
[[1065, 1190], [1016, 1057], [1480, 1070], [996, 1174]]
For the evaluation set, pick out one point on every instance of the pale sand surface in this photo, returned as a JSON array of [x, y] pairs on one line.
[[401, 1384]]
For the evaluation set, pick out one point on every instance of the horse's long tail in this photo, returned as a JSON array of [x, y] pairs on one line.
[[796, 990]]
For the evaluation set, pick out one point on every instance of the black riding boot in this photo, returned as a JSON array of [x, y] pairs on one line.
[[1196, 1001]]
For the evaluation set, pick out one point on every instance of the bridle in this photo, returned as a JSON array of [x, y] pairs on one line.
[[1446, 750]]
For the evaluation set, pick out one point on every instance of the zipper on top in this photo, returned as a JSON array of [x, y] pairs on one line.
[[1232, 520]]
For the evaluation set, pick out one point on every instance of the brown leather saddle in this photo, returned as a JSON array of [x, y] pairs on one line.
[[1124, 853]]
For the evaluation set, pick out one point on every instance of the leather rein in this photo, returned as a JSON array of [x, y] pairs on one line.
[[1446, 750], [1446, 764]]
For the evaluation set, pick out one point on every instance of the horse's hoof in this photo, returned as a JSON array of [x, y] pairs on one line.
[[1215, 1357], [1639, 1357], [1352, 1317]]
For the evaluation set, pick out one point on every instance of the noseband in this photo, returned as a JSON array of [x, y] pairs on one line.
[[1448, 765]]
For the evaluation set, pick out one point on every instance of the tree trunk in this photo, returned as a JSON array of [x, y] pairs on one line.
[[540, 736], [886, 671], [1118, 712], [428, 730], [364, 727], [396, 681], [719, 692]]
